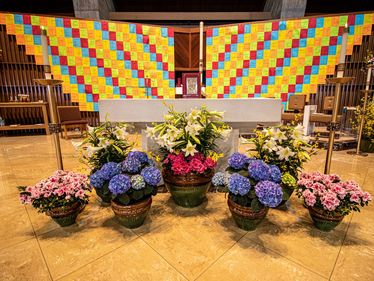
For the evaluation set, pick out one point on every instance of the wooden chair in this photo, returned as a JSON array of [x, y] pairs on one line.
[[295, 110], [70, 118], [327, 107]]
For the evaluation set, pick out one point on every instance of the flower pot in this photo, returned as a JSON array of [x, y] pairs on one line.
[[65, 215], [187, 191], [132, 216], [322, 221], [245, 217], [367, 146], [105, 196]]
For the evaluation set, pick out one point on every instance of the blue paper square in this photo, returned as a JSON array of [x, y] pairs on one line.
[[18, 19], [120, 55], [282, 25], [108, 81], [77, 42], [105, 35], [298, 88], [59, 22], [247, 28], [93, 62], [359, 19], [320, 22], [27, 29], [96, 106], [67, 32], [315, 69], [134, 73], [37, 40], [73, 79], [286, 62], [97, 25], [81, 89], [100, 72], [64, 70], [89, 98], [260, 54]]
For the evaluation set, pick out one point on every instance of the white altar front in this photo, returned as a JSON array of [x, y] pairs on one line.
[[243, 114]]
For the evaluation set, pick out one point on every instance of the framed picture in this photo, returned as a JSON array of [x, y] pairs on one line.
[[191, 85]]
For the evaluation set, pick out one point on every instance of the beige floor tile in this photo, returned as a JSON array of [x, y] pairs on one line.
[[250, 261], [298, 240], [23, 262], [133, 261], [15, 228], [191, 244], [67, 249], [363, 221], [354, 263]]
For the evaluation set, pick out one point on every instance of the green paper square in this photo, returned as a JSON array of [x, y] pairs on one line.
[[53, 41], [284, 88], [288, 43], [304, 23], [71, 61], [95, 89], [79, 70], [35, 20], [308, 60], [292, 79], [127, 46], [300, 70], [296, 34], [107, 63], [334, 31], [152, 39], [87, 79], [232, 72], [74, 23], [265, 72], [62, 50], [226, 81], [99, 53], [325, 41], [214, 57], [343, 20], [268, 26], [280, 53], [260, 36], [272, 62], [83, 33], [91, 43], [114, 72], [258, 80], [122, 81], [112, 26], [317, 51]]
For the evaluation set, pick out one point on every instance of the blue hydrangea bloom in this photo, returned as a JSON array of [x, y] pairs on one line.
[[151, 162], [237, 160], [139, 155], [249, 160], [259, 170], [96, 180], [119, 184], [131, 165], [269, 193], [151, 175], [137, 182], [219, 179], [275, 174], [109, 170], [239, 184]]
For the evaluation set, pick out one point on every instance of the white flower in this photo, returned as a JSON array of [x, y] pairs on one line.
[[298, 132], [285, 153], [90, 129], [76, 144], [173, 133], [190, 149], [92, 150], [193, 129], [269, 132], [150, 132], [271, 145], [225, 134], [104, 143], [121, 133], [279, 136]]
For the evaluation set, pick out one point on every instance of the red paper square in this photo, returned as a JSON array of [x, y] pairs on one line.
[[75, 32], [291, 88], [63, 60], [88, 89], [84, 43], [112, 35]]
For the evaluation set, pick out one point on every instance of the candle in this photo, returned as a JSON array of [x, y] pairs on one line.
[[201, 51], [44, 46], [343, 50]]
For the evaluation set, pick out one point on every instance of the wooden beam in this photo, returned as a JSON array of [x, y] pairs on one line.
[[173, 16]]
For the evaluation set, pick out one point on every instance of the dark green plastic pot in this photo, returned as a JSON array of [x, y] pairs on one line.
[[367, 146], [187, 191]]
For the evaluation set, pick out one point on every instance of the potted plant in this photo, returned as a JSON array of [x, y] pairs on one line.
[[187, 150], [287, 148], [131, 185], [367, 138], [329, 199], [61, 196], [253, 187], [104, 144]]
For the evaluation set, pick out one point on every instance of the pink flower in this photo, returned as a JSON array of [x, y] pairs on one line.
[[197, 166], [180, 168], [355, 197], [330, 201], [366, 197], [309, 197], [339, 189], [210, 163], [318, 188]]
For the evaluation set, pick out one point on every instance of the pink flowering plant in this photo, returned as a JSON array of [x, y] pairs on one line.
[[188, 140], [330, 194], [63, 188]]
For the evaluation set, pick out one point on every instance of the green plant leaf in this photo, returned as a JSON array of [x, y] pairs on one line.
[[124, 199], [137, 194], [255, 205]]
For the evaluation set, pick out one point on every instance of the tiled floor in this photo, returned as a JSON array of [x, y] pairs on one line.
[[174, 243]]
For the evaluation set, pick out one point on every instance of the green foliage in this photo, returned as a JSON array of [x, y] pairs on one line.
[[105, 143], [133, 196], [190, 133], [368, 129]]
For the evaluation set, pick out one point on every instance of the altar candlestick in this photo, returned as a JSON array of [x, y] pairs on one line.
[[201, 52], [343, 51]]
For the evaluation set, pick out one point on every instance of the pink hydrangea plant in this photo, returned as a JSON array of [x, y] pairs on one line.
[[181, 165]]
